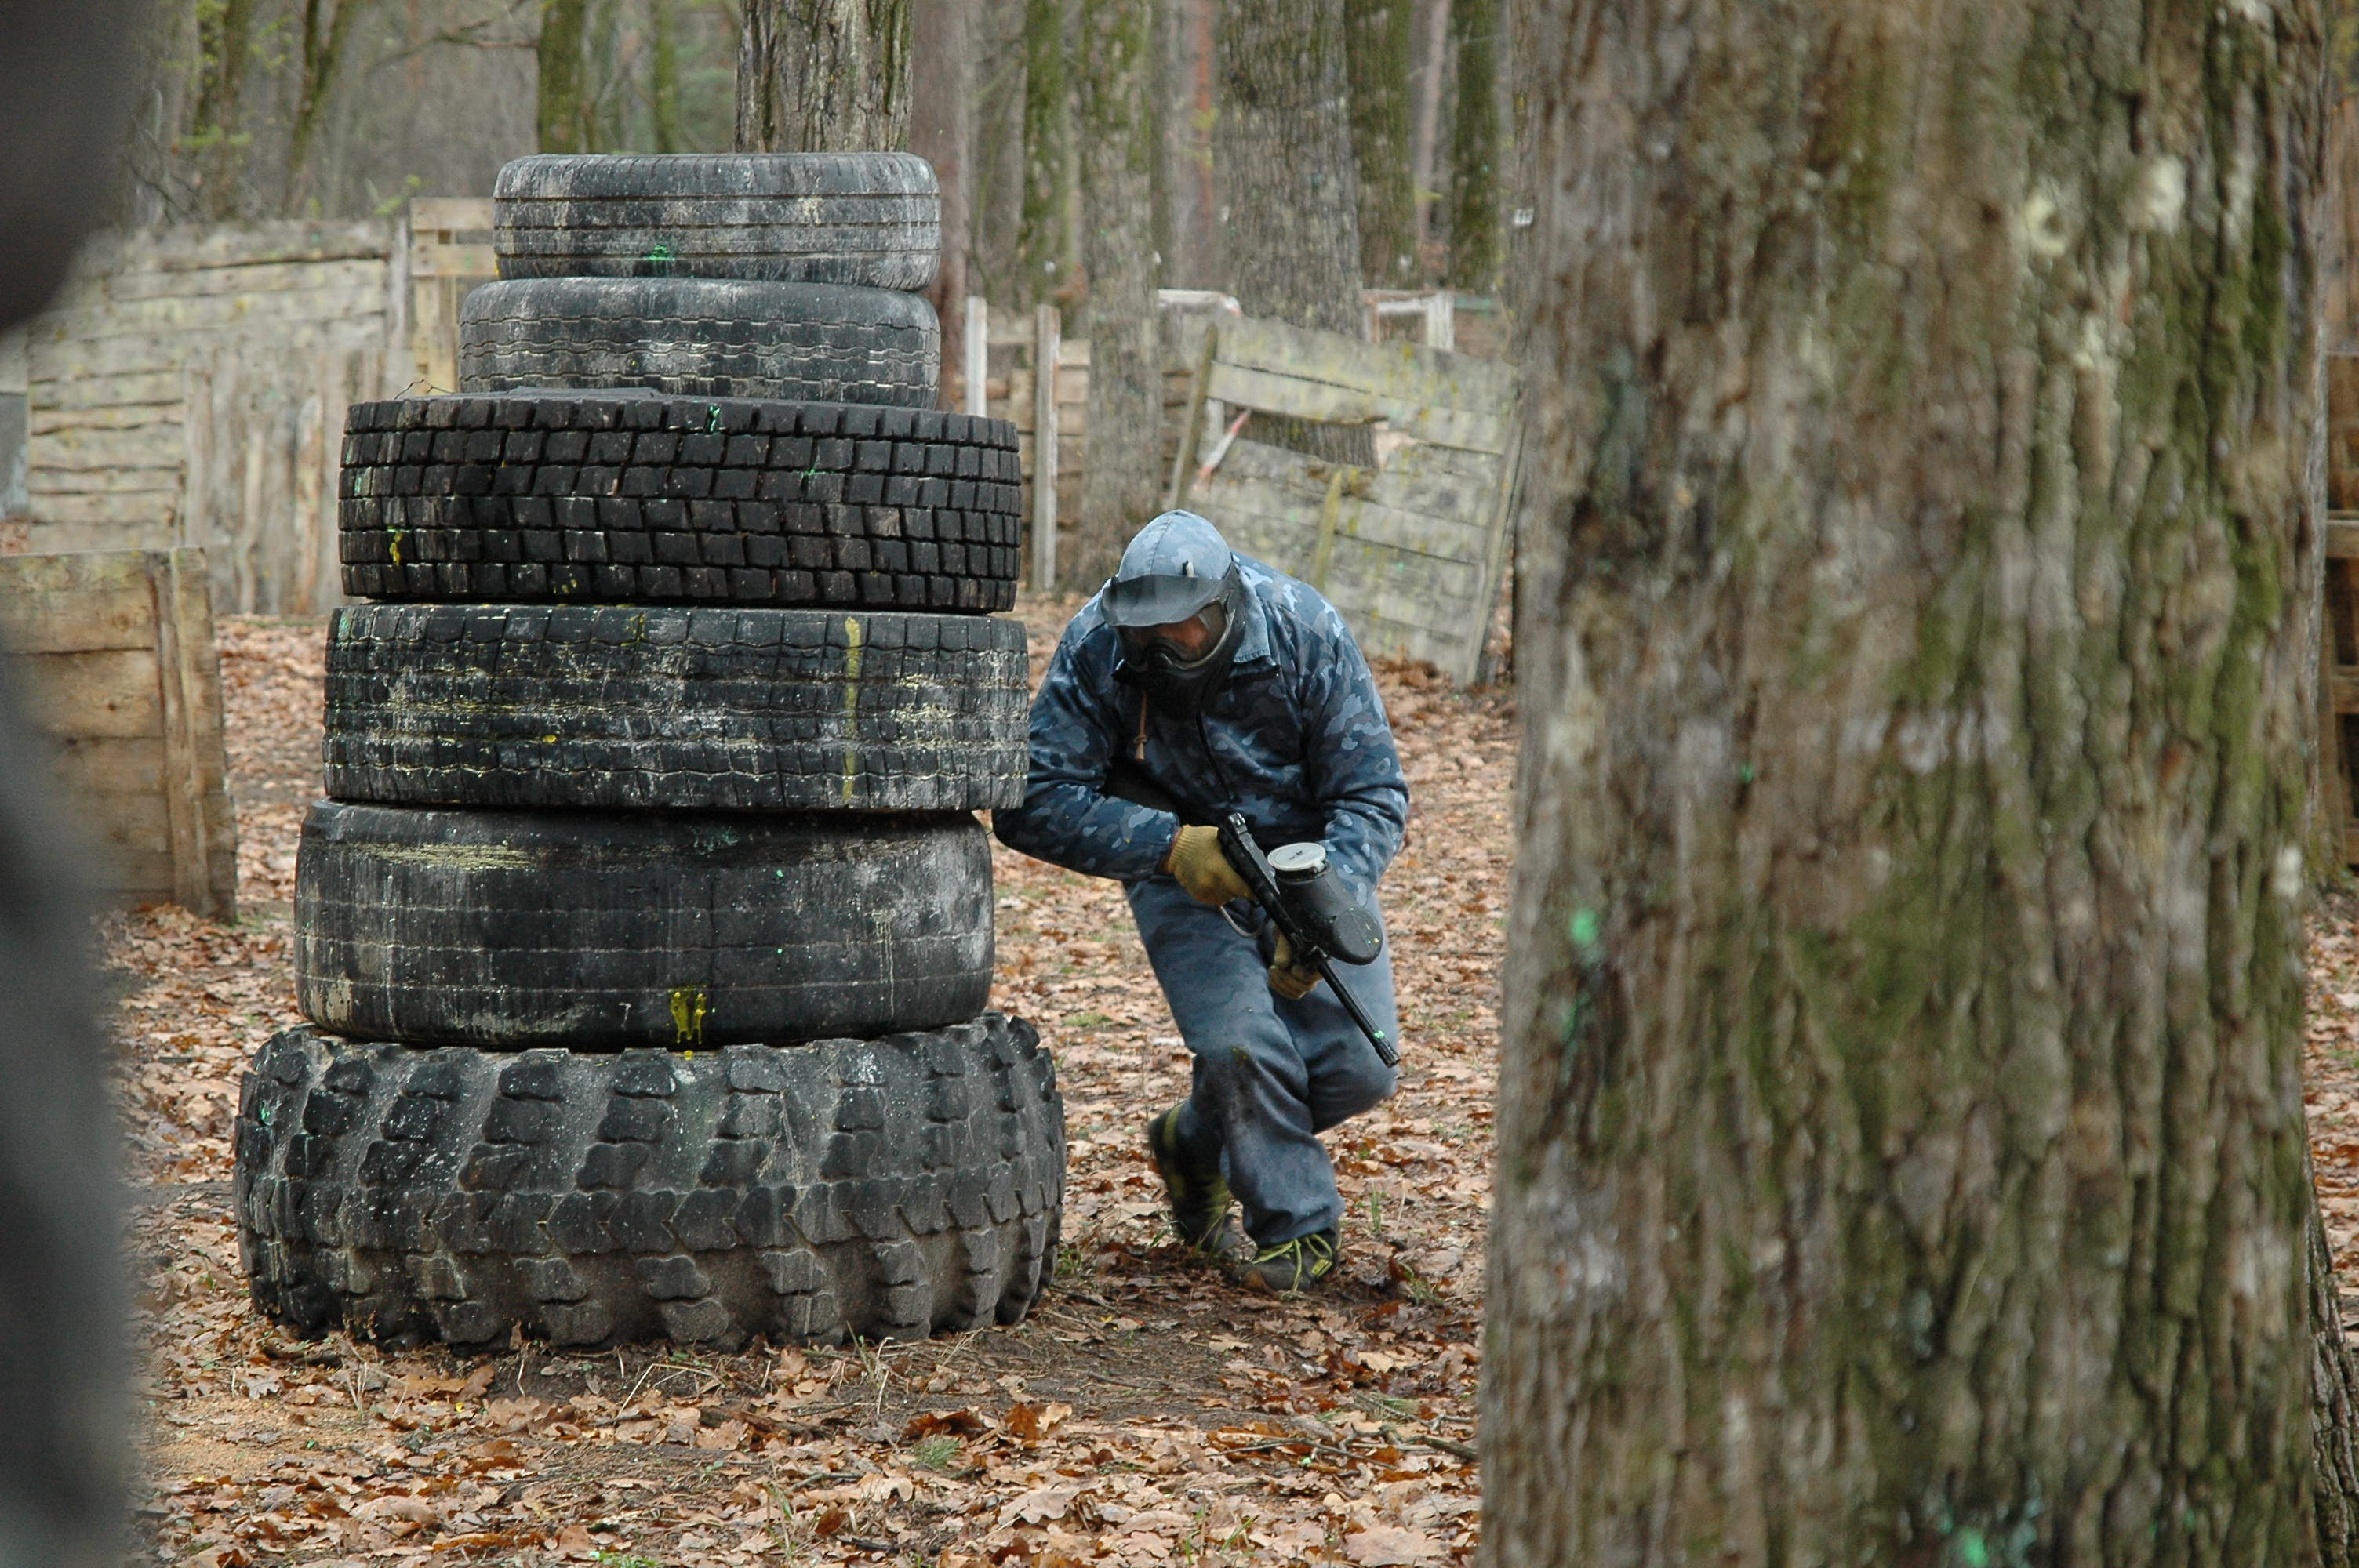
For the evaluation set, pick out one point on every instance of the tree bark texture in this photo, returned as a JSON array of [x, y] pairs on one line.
[[1377, 36], [1043, 234], [823, 76], [1901, 1151], [1282, 154], [1474, 145], [2335, 1408], [1290, 197], [943, 55], [563, 105], [1120, 477]]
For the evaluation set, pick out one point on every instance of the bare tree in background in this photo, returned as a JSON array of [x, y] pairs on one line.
[[1901, 1151], [1377, 36], [1044, 234], [944, 34], [823, 76], [1120, 482], [564, 116], [1474, 145], [324, 37], [1282, 151]]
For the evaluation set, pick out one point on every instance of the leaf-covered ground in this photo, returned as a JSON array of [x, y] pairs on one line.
[[1146, 1413]]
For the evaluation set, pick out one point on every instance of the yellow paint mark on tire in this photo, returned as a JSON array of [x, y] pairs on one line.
[[851, 705], [688, 1006]]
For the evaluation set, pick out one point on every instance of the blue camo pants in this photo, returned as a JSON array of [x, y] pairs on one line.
[[1271, 1074]]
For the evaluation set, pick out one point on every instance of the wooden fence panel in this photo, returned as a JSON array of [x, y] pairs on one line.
[[1411, 551], [189, 388], [114, 654]]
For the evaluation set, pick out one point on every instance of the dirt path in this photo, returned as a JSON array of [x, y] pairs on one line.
[[1145, 1412]]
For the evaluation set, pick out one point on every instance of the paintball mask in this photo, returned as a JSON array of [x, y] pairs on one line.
[[1178, 604]]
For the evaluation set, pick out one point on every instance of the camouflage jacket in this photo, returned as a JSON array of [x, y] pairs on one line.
[[1296, 740]]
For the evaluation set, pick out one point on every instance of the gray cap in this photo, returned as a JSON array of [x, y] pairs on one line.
[[1172, 570]]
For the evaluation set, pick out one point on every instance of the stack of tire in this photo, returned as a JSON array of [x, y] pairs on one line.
[[645, 935]]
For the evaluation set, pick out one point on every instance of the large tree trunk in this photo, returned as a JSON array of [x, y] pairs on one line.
[[942, 48], [1900, 1136], [1377, 36], [1282, 153], [1119, 477], [1474, 145], [823, 76]]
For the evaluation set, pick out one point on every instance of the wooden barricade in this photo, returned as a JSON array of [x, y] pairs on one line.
[[112, 653], [451, 255], [1412, 550]]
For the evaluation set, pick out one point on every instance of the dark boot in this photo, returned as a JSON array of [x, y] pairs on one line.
[[1191, 1184]]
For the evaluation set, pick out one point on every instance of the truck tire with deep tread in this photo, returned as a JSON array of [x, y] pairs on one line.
[[686, 337], [611, 930], [889, 1188], [641, 499], [618, 708], [868, 219]]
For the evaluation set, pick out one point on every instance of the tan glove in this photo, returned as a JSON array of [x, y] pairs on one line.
[[1287, 978], [1196, 860]]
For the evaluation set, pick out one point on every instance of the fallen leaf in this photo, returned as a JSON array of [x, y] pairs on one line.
[[1388, 1546]]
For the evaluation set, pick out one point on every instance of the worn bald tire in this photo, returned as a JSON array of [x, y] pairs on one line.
[[611, 930], [575, 705], [867, 219], [889, 1188], [815, 342], [642, 499]]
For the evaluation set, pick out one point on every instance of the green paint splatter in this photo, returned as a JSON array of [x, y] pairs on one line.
[[1582, 928]]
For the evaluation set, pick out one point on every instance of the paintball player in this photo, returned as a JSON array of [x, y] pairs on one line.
[[1199, 682]]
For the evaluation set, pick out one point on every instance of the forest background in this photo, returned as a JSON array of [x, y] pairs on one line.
[[262, 109]]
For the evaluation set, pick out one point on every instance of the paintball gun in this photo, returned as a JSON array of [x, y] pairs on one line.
[[1322, 921]]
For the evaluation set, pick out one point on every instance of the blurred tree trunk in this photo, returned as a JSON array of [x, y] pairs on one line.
[[1191, 257], [1474, 146], [1043, 250], [823, 76], [225, 52], [1377, 35], [320, 59], [1282, 151], [941, 130], [663, 94], [1900, 1146], [563, 106], [1120, 485]]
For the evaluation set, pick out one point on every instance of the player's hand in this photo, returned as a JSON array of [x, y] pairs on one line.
[[1196, 860], [1287, 978]]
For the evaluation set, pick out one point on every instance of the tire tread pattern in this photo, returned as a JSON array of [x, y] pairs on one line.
[[620, 707], [644, 499], [890, 1189], [872, 220], [700, 337]]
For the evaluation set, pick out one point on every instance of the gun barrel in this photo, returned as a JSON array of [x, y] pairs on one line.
[[1376, 1037]]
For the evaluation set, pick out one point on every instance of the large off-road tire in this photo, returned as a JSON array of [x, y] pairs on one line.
[[617, 708], [885, 1188], [642, 499], [610, 930], [816, 343], [867, 219]]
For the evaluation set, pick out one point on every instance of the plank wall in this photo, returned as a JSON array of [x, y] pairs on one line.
[[189, 388], [113, 654]]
